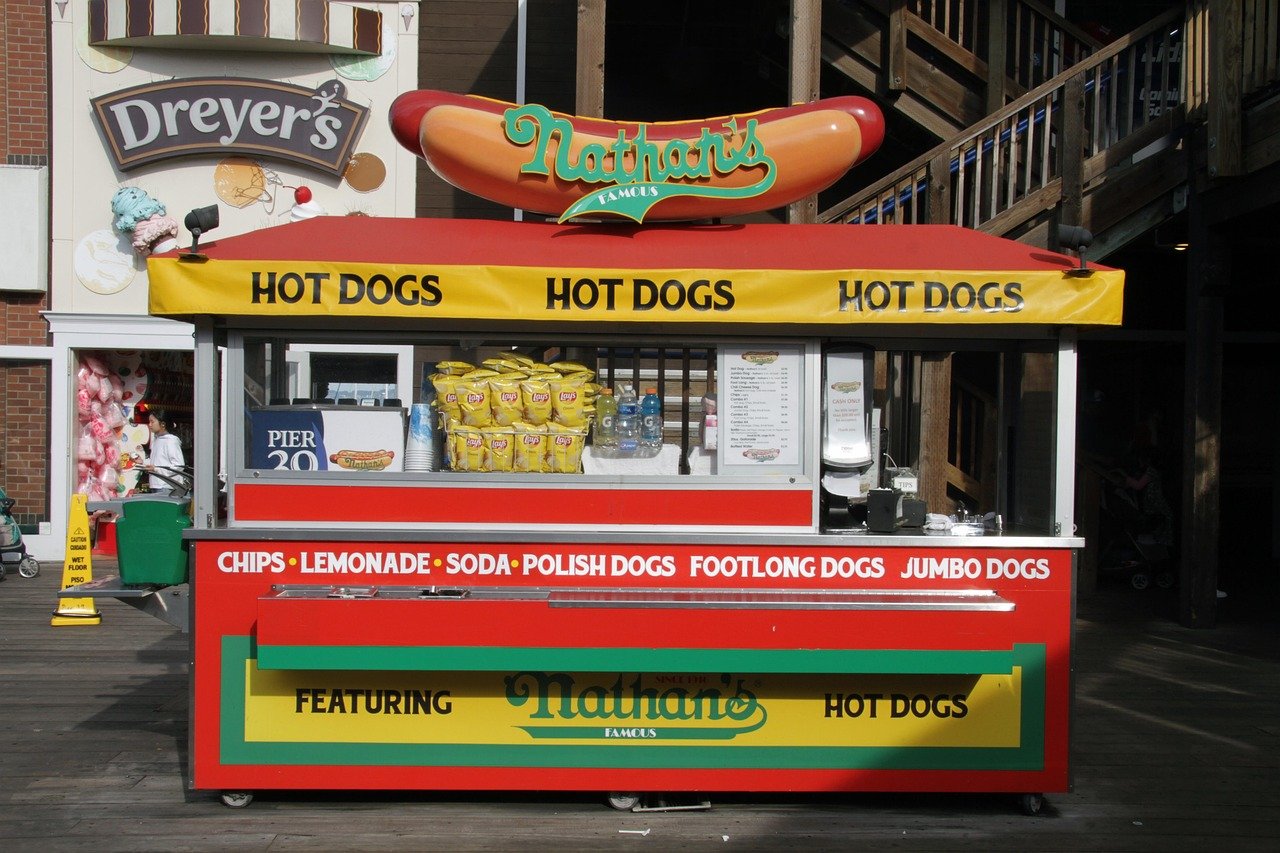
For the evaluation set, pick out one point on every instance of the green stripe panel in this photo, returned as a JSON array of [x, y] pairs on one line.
[[761, 661], [1028, 756]]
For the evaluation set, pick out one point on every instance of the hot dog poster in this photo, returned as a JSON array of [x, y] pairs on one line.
[[326, 439]]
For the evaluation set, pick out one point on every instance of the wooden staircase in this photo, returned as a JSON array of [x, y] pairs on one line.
[[933, 58], [1074, 133]]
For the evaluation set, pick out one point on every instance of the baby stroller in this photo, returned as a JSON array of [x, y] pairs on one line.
[[1129, 543], [12, 550]]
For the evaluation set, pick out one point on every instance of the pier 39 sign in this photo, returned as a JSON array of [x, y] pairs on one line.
[[231, 115]]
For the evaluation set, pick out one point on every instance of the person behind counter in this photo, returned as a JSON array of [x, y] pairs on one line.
[[166, 452]]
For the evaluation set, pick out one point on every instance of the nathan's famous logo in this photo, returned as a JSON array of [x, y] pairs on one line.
[[629, 708], [760, 357], [762, 454], [637, 173], [362, 460], [847, 387]]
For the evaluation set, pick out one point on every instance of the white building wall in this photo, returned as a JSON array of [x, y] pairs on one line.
[[99, 284]]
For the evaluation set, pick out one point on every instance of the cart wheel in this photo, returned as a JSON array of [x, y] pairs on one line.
[[623, 802], [29, 567], [1165, 580], [1031, 804], [1140, 580], [236, 799], [1, 571]]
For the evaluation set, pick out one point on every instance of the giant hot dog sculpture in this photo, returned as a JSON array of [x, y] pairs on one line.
[[531, 158]]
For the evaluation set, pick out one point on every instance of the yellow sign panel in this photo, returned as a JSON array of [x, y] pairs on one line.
[[535, 707], [839, 297], [77, 569]]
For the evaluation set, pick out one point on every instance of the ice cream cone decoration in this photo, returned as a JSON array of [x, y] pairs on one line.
[[142, 217]]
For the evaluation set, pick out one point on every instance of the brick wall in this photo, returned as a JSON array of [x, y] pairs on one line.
[[24, 140]]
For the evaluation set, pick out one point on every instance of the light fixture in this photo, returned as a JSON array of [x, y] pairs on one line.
[[1076, 238], [1172, 235], [199, 221]]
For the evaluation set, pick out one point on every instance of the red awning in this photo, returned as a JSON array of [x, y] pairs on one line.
[[753, 273]]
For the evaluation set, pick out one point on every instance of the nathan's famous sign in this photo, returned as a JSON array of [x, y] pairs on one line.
[[231, 115], [531, 158]]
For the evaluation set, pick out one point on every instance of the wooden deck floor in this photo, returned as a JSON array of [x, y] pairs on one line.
[[1176, 748]]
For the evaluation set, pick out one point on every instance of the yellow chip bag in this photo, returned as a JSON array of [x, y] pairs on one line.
[[473, 402], [469, 448], [499, 448], [520, 358], [446, 396], [567, 367], [568, 400], [501, 364], [454, 368], [480, 373], [564, 449], [505, 400], [530, 447], [535, 396]]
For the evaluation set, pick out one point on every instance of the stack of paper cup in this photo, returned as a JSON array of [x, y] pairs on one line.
[[420, 448]]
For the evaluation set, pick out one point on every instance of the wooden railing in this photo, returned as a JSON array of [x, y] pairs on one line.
[[1260, 47], [971, 444], [1037, 43], [1005, 170]]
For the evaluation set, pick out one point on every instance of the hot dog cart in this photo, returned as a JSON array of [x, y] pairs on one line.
[[442, 592]]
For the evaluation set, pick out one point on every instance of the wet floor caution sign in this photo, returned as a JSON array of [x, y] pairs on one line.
[[77, 569]]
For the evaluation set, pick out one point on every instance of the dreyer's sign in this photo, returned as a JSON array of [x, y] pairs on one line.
[[231, 115]]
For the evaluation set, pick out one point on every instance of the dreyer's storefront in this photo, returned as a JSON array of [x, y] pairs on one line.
[[633, 526], [255, 115]]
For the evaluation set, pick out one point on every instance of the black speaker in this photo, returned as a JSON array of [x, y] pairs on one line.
[[913, 511], [882, 510]]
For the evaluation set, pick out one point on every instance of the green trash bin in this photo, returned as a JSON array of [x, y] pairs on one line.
[[149, 543]]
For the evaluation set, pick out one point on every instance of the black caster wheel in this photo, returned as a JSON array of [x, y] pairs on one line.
[[236, 799], [1140, 580], [1031, 804]]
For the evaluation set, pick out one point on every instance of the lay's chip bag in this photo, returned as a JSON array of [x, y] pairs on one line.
[[499, 448], [505, 399], [564, 448], [473, 402], [569, 400], [535, 396], [446, 396], [529, 454], [467, 444]]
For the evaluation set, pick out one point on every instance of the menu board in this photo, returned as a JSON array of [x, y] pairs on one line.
[[761, 407]]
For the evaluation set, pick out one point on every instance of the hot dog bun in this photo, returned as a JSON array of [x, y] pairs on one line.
[[463, 139]]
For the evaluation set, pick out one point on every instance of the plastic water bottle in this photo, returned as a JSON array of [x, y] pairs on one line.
[[628, 422], [606, 420], [651, 422]]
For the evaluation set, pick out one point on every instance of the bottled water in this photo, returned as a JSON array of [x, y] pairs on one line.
[[628, 422], [606, 419], [651, 422]]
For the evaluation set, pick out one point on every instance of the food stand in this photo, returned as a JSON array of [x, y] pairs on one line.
[[383, 610]]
